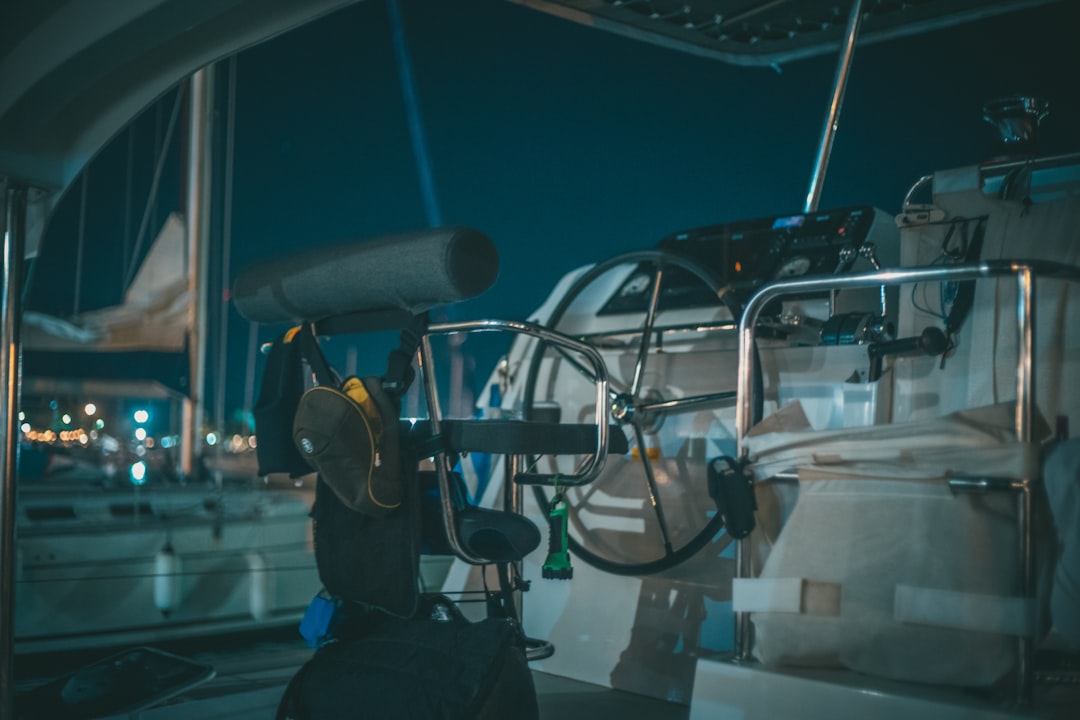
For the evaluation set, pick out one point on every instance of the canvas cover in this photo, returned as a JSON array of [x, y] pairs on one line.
[[1062, 478], [1030, 213], [880, 567]]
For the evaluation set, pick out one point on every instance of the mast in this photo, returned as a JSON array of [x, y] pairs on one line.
[[197, 216]]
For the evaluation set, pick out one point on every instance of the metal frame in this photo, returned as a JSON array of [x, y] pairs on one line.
[[1025, 273], [13, 200], [836, 102], [431, 392]]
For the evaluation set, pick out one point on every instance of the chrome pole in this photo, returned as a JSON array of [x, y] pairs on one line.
[[200, 171], [825, 283], [832, 117], [514, 501], [13, 232], [1025, 409], [743, 417], [442, 463]]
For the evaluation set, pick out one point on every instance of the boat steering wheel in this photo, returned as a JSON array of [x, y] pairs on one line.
[[651, 510]]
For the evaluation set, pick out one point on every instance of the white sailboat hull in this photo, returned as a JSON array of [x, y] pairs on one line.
[[120, 567]]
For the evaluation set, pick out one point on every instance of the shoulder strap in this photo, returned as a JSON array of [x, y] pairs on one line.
[[399, 371], [313, 354]]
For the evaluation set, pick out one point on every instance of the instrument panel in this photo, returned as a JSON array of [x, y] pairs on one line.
[[747, 254]]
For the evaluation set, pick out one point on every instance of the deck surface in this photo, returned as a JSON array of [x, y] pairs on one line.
[[252, 671]]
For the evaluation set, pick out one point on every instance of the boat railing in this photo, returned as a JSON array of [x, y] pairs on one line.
[[1026, 274]]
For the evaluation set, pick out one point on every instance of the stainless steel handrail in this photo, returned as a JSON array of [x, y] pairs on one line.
[[1025, 273], [586, 474], [13, 199]]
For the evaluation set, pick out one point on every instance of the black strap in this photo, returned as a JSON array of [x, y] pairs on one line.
[[732, 488], [965, 292], [399, 371], [309, 346]]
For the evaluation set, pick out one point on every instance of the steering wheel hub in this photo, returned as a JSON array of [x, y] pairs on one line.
[[622, 408]]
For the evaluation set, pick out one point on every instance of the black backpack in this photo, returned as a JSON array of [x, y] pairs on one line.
[[435, 666], [397, 653]]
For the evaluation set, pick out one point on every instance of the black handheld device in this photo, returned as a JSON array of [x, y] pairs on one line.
[[123, 683]]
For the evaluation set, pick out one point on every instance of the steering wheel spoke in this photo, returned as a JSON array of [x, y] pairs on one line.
[[724, 399]]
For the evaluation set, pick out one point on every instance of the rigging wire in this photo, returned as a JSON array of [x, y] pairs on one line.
[[151, 200], [412, 110]]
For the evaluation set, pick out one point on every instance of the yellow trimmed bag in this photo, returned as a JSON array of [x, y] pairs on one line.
[[350, 436]]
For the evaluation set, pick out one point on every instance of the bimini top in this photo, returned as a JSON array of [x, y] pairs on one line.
[[769, 32], [74, 73]]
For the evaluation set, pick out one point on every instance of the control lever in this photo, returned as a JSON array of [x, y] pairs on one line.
[[847, 254], [931, 342], [844, 258], [869, 251]]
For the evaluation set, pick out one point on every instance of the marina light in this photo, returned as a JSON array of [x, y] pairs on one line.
[[99, 423], [66, 419], [211, 439], [138, 473], [25, 427], [22, 415], [141, 416], [83, 438], [140, 434], [252, 442], [90, 409]]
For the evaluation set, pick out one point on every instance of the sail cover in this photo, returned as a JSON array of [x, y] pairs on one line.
[[153, 316], [768, 32]]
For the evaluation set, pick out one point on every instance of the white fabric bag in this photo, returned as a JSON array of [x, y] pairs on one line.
[[880, 568]]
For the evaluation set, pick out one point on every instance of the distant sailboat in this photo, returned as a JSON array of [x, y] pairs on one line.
[[145, 552]]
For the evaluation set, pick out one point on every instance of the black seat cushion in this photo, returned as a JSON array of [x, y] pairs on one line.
[[496, 535]]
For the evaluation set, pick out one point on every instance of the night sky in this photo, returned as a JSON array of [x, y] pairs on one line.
[[565, 144]]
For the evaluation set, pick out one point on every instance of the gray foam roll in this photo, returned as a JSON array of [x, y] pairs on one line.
[[412, 272]]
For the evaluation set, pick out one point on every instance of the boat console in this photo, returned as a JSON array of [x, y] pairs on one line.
[[746, 254]]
